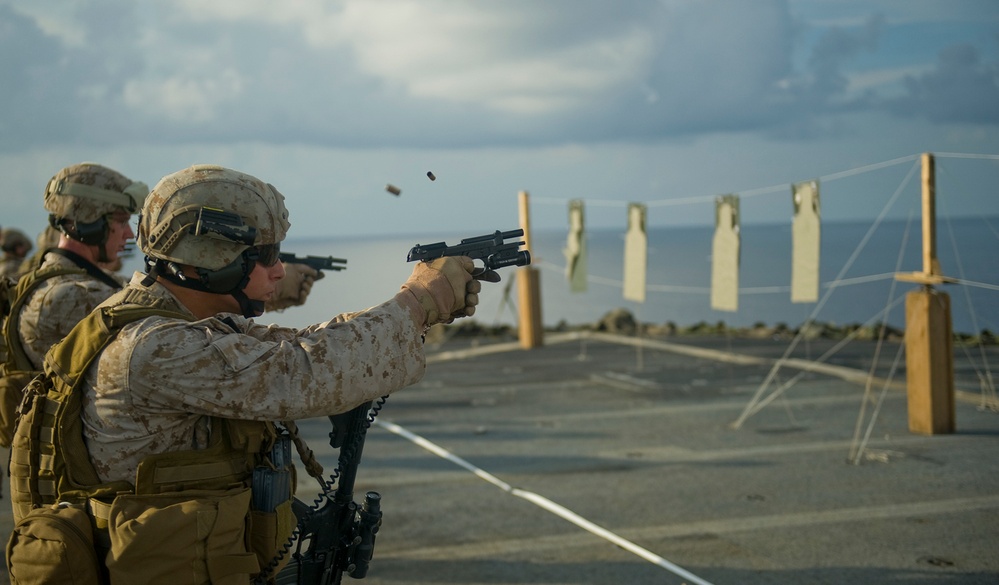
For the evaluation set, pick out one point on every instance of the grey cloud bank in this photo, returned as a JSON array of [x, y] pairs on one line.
[[625, 100]]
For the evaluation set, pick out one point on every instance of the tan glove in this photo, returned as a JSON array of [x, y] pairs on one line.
[[294, 288], [441, 290]]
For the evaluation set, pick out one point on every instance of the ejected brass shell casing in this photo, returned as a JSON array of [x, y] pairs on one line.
[[393, 189], [430, 175]]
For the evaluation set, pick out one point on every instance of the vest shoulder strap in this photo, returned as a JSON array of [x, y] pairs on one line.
[[17, 359], [69, 359]]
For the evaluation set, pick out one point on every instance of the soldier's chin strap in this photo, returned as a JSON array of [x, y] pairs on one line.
[[250, 307], [156, 267]]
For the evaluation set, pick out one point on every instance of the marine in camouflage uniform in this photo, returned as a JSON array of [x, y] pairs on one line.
[[177, 400], [211, 237], [90, 205], [90, 209], [164, 382], [157, 383], [15, 246]]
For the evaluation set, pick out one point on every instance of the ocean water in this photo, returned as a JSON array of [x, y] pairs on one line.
[[856, 268]]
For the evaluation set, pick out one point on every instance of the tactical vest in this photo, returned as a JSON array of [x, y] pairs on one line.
[[8, 286], [17, 370], [143, 530]]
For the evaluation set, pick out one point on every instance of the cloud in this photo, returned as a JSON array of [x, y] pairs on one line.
[[884, 81], [184, 99], [961, 88], [518, 57], [446, 73], [32, 75], [834, 48], [820, 88]]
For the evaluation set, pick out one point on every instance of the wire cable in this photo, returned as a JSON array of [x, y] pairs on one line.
[[855, 450], [752, 192], [825, 297]]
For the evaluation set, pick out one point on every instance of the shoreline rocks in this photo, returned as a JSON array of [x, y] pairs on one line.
[[622, 322]]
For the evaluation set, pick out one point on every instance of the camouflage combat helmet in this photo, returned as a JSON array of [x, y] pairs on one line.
[[221, 222], [87, 192], [206, 216], [10, 238]]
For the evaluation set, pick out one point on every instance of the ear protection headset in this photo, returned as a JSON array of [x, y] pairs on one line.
[[232, 278], [227, 227], [95, 233]]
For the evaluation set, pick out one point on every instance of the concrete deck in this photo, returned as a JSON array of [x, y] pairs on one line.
[[599, 459]]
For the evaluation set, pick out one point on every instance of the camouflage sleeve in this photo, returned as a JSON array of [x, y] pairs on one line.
[[54, 309], [271, 373]]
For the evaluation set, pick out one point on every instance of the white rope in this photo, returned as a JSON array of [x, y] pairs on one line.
[[751, 192], [543, 503], [881, 399], [986, 379], [752, 409], [818, 306], [984, 285], [867, 168], [963, 155], [704, 290], [857, 452], [589, 202]]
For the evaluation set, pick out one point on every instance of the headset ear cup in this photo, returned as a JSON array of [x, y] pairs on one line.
[[229, 278], [94, 233]]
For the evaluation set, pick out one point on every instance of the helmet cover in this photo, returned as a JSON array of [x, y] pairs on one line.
[[11, 238], [170, 221], [86, 192]]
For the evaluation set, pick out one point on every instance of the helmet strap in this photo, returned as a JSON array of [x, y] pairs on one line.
[[248, 307], [102, 253], [152, 271]]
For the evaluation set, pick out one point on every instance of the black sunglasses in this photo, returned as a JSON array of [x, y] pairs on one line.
[[268, 254]]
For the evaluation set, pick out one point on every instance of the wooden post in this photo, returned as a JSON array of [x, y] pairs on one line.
[[929, 362], [929, 337], [531, 330], [931, 266]]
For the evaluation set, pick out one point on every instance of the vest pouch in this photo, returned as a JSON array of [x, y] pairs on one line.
[[269, 533], [25, 485], [53, 545], [181, 538], [11, 393]]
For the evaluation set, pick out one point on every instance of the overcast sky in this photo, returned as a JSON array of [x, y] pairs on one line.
[[608, 101]]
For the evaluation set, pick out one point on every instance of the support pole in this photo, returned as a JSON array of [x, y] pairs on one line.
[[531, 330], [929, 362], [929, 338], [931, 265]]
